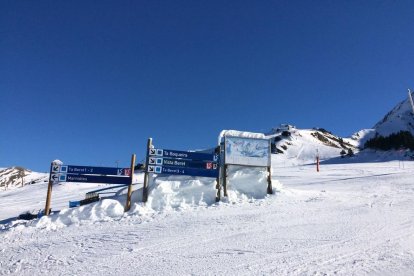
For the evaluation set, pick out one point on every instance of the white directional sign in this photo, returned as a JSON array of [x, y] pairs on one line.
[[155, 161], [154, 169], [156, 152]]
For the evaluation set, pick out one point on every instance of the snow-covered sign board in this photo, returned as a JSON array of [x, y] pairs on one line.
[[247, 151]]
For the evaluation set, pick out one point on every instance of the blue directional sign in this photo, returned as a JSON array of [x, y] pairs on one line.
[[97, 179], [95, 170], [183, 155], [208, 165], [187, 171]]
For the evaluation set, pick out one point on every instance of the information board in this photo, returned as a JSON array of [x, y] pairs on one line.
[[247, 151]]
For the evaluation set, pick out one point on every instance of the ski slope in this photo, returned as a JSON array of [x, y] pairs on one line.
[[348, 219]]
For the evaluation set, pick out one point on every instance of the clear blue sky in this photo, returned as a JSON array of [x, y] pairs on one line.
[[87, 82]]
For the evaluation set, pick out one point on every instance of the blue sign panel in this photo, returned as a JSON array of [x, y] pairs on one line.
[[183, 155], [156, 161], [188, 171], [95, 170], [189, 164], [97, 179]]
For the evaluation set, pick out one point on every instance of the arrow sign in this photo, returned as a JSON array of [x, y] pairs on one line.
[[155, 152], [155, 161], [55, 168], [98, 179], [98, 170], [189, 171], [54, 177], [188, 164], [183, 154]]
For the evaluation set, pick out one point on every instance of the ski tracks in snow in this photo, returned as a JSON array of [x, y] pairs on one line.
[[316, 225]]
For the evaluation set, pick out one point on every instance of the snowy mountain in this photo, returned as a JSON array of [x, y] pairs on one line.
[[14, 177], [300, 146], [400, 118]]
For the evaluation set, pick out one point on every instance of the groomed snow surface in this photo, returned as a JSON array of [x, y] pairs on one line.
[[348, 219]]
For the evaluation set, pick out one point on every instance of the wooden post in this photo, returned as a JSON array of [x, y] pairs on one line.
[[128, 200], [269, 181], [218, 186], [224, 168], [49, 192], [145, 188], [317, 163], [225, 179]]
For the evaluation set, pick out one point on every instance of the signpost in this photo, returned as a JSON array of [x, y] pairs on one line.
[[87, 174], [174, 162]]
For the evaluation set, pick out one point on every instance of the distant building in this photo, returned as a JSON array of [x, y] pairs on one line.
[[284, 127]]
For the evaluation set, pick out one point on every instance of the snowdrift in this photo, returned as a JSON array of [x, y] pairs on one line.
[[104, 210], [166, 194]]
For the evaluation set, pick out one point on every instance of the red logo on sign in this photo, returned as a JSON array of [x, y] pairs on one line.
[[209, 166], [127, 172]]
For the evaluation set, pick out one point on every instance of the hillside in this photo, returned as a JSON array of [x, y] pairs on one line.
[[300, 146], [15, 177], [400, 118]]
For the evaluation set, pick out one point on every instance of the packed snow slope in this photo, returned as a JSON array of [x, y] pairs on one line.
[[348, 219]]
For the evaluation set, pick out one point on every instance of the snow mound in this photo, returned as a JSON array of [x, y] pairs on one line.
[[180, 192], [167, 193], [177, 193], [242, 134], [246, 183], [105, 210]]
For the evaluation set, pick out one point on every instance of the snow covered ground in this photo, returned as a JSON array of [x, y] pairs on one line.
[[348, 219]]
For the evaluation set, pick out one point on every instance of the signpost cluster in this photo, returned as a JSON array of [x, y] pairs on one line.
[[239, 151], [88, 174], [174, 162]]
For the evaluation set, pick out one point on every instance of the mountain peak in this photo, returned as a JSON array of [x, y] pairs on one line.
[[400, 118]]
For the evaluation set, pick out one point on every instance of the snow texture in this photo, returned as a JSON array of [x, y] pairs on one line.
[[348, 219]]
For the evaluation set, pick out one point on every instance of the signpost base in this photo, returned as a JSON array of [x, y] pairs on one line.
[[269, 181]]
